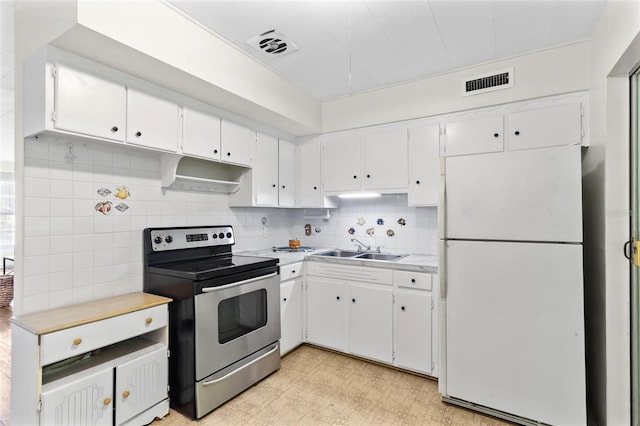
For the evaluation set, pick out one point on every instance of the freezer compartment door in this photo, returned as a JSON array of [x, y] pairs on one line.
[[514, 326], [530, 195]]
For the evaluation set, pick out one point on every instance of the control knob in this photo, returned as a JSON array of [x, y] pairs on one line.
[[228, 234], [214, 236], [169, 239], [221, 235], [157, 239]]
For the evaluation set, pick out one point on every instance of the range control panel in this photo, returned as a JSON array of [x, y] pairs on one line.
[[182, 238]]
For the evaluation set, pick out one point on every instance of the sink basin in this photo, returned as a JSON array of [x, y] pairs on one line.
[[380, 256], [339, 253]]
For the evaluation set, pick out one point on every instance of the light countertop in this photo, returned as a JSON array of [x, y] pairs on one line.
[[412, 262]]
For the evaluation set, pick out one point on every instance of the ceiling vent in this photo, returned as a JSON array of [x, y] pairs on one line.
[[489, 82], [272, 44]]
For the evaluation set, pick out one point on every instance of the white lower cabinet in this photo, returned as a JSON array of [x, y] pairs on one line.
[[370, 321], [87, 399], [326, 314], [291, 304], [380, 314]]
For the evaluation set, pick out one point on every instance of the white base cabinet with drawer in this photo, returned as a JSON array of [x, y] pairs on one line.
[[100, 362], [376, 313], [291, 307]]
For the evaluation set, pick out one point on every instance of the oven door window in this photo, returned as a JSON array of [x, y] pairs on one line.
[[241, 315]]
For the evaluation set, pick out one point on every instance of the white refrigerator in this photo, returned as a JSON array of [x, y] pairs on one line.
[[512, 306]]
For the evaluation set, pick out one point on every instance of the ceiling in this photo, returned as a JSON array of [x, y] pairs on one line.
[[346, 47]]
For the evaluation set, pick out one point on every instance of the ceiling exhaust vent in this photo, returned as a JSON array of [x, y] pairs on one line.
[[272, 43], [489, 82]]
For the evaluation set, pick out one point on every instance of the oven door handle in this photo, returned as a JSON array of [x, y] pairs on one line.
[[222, 287], [211, 382]]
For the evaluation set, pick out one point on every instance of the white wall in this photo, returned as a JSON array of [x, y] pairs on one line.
[[615, 51], [545, 73]]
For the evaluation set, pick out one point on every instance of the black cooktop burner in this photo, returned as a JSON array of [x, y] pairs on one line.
[[213, 266]]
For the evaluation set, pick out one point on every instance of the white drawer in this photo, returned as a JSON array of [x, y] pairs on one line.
[[408, 279], [87, 337], [289, 272], [350, 273]]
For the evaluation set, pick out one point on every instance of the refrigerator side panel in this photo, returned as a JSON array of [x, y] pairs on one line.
[[530, 195], [515, 329]]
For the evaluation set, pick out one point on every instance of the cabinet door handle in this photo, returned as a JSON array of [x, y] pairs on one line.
[[315, 187], [138, 134], [517, 132], [274, 185], [413, 280], [126, 394], [107, 401], [355, 177], [417, 182], [77, 341], [402, 308], [495, 135], [284, 299], [114, 129], [228, 154], [215, 151], [338, 298], [148, 320], [368, 176], [282, 186], [353, 300]]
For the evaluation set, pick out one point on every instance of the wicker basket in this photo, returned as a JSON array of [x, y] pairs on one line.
[[6, 290]]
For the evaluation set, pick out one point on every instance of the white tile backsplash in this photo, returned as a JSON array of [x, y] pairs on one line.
[[91, 255]]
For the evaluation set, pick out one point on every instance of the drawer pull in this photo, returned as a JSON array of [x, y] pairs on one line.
[[148, 320], [413, 280], [126, 394], [107, 401], [77, 341]]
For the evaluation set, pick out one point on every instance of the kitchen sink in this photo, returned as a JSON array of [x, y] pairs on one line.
[[380, 256], [339, 253]]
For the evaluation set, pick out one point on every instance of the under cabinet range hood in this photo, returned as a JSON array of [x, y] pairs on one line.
[[194, 174]]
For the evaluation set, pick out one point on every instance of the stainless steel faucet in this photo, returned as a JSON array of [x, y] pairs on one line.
[[360, 245]]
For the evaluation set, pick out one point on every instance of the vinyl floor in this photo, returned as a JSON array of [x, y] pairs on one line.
[[312, 387]]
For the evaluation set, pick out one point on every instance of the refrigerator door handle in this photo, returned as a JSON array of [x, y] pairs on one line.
[[442, 201], [631, 251], [626, 251]]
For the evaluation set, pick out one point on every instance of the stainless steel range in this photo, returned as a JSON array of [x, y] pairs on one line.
[[224, 322]]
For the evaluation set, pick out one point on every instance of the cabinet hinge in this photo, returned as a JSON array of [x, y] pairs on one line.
[[180, 112], [53, 116], [39, 406], [443, 130], [433, 366], [433, 305], [581, 111], [393, 356], [54, 72], [393, 298]]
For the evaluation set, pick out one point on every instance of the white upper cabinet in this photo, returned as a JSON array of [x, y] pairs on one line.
[[88, 105], [473, 136], [424, 165], [546, 126], [384, 159], [151, 121], [266, 171], [200, 134], [238, 144], [286, 168], [374, 161], [341, 163], [310, 182]]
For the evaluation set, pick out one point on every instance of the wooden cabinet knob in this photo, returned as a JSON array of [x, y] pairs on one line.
[[126, 394], [107, 401], [148, 320], [77, 341]]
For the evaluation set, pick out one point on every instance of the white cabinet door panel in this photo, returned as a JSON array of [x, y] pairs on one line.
[[310, 184], [370, 321], [151, 121], [286, 174], [529, 195], [266, 170], [413, 330], [89, 105], [291, 314], [473, 136], [546, 126], [85, 401], [141, 383], [326, 314], [238, 144], [424, 165], [515, 328], [341, 163], [201, 134], [384, 159]]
